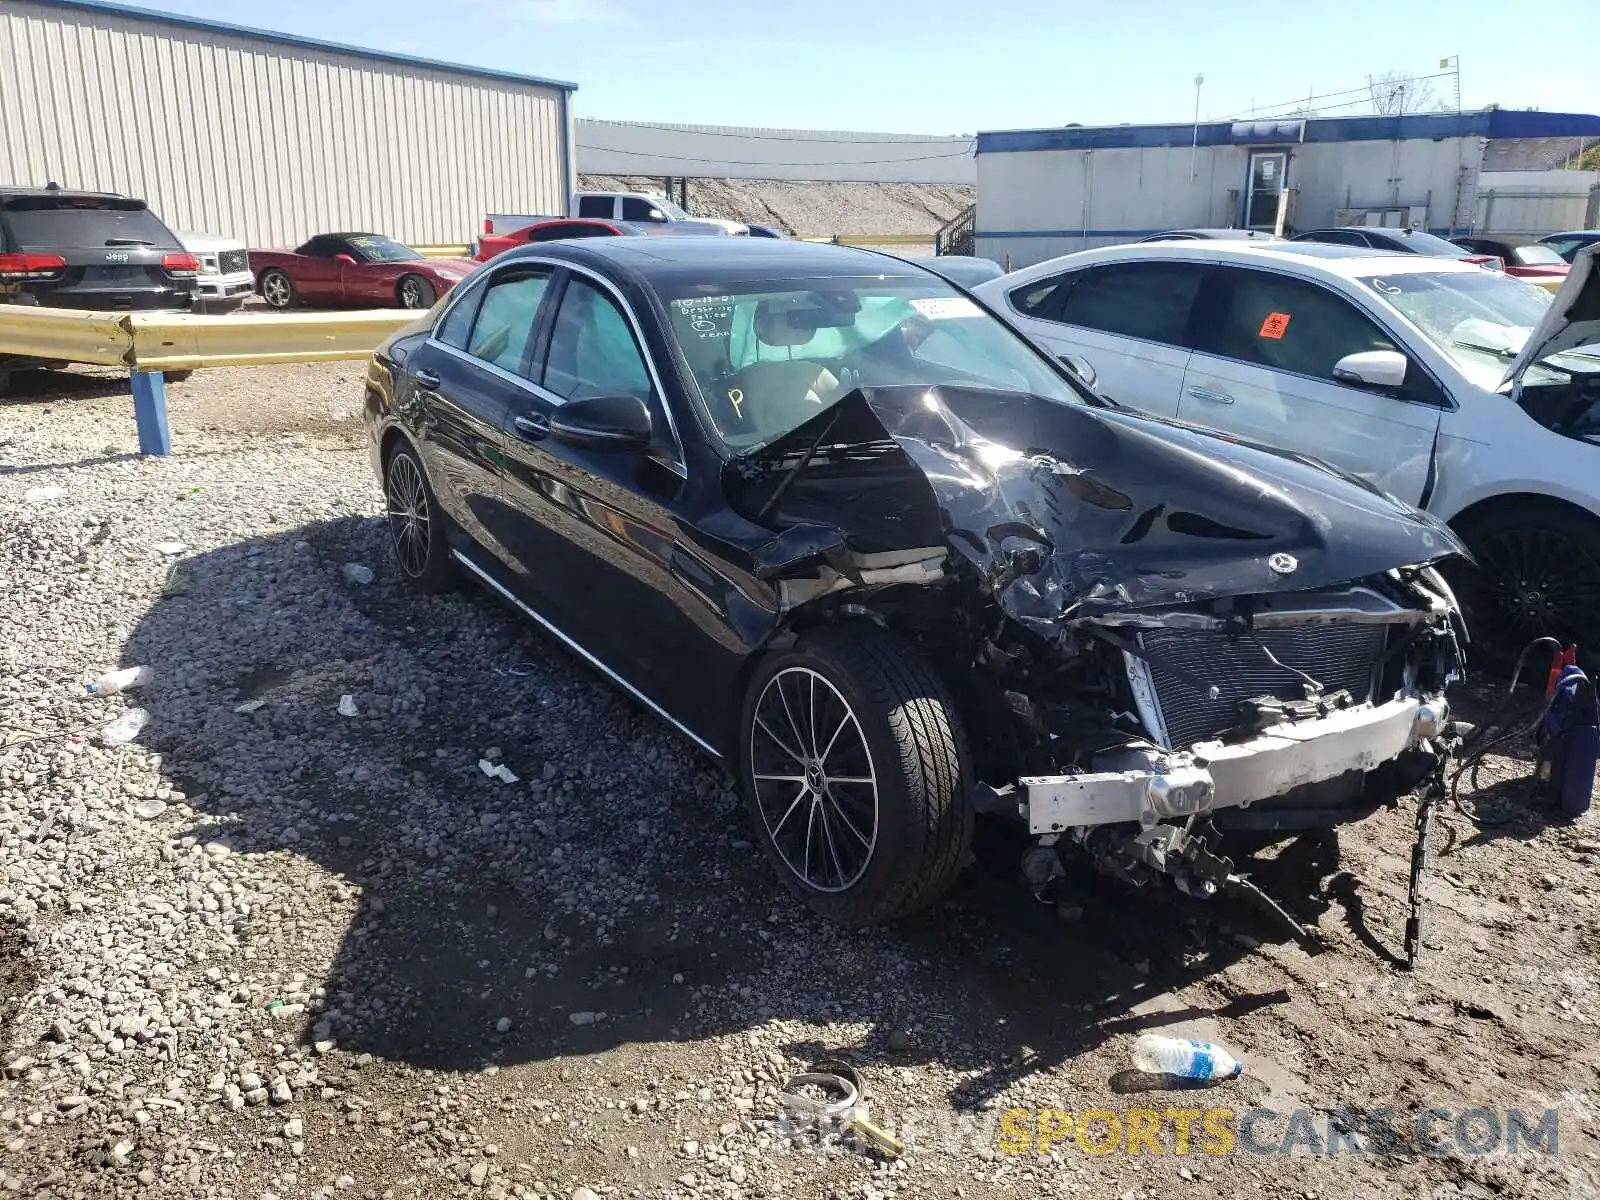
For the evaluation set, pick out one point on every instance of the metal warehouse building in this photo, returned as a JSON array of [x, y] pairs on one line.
[[270, 138], [1044, 192]]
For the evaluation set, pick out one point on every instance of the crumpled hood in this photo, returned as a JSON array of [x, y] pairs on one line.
[[1072, 511]]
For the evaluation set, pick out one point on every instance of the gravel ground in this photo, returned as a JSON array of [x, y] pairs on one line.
[[814, 209], [269, 950]]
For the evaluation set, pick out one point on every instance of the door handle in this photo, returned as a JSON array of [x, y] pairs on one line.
[[426, 378], [534, 427], [1211, 394]]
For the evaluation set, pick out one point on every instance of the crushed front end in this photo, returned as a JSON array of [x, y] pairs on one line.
[[1157, 637], [1274, 714]]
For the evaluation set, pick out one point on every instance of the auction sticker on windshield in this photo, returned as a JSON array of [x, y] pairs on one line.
[[943, 308]]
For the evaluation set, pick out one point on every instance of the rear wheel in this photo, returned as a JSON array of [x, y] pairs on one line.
[[1538, 575], [853, 767], [277, 289], [416, 524], [415, 292]]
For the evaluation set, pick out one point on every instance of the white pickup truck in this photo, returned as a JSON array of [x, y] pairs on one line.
[[644, 208], [224, 282]]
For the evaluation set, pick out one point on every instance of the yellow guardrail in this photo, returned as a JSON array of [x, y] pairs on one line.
[[870, 239], [178, 342], [460, 250], [63, 334], [182, 342]]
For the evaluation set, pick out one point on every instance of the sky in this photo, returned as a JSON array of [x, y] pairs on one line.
[[934, 66]]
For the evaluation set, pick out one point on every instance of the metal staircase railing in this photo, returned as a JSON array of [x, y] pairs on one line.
[[955, 236]]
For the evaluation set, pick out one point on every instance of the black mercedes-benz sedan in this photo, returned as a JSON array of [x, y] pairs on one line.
[[894, 566]]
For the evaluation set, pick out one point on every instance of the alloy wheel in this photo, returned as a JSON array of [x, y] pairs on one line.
[[275, 290], [1536, 583], [813, 778], [409, 527], [411, 294]]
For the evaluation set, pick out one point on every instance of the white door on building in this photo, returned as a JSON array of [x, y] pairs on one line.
[[1262, 369], [1129, 321], [1267, 171]]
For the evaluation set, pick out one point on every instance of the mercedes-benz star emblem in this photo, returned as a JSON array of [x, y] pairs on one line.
[[1283, 564]]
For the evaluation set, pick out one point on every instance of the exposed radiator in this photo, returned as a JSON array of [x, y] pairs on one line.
[[1340, 657]]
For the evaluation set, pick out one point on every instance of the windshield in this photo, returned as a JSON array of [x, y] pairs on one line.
[[1470, 315], [1537, 256], [375, 248], [671, 209], [769, 355], [1418, 242]]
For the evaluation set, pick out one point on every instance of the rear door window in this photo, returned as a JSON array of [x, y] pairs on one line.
[[635, 209], [1147, 300], [1285, 324], [46, 222], [456, 328], [595, 206], [503, 332]]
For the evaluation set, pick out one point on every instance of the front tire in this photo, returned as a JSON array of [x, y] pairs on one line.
[[853, 764], [414, 291], [1538, 575], [416, 524], [277, 289]]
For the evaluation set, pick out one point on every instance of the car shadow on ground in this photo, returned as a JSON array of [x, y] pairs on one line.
[[50, 386], [610, 895]]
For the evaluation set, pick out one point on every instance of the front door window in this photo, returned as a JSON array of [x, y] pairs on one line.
[[1266, 183]]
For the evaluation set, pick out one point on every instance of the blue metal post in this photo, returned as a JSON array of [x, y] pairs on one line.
[[150, 412]]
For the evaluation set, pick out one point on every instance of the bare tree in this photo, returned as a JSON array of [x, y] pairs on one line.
[[1394, 93]]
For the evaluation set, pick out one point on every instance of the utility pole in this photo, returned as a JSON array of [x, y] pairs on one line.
[[1194, 148]]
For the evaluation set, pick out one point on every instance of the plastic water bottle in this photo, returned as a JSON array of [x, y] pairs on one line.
[[1184, 1058], [113, 682]]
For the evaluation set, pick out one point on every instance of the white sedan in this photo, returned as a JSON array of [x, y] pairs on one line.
[[1454, 388]]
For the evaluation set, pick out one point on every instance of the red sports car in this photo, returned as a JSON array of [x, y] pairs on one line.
[[491, 244], [562, 228], [364, 270]]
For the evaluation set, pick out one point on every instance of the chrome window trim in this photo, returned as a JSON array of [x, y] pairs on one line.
[[678, 467], [577, 649]]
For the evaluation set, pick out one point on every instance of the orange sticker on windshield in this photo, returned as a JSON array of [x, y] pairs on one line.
[[1275, 326]]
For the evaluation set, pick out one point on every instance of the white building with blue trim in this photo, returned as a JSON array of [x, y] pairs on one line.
[[1045, 192]]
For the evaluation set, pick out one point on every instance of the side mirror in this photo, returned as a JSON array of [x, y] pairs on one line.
[[1080, 367], [1385, 369], [346, 259], [617, 423]]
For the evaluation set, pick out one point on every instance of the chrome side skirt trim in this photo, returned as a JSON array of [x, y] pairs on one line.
[[586, 656]]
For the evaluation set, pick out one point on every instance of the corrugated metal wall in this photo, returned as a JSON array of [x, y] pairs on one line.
[[1534, 203], [267, 142]]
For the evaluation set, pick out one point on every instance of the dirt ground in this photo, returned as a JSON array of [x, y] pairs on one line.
[[589, 983], [815, 209]]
